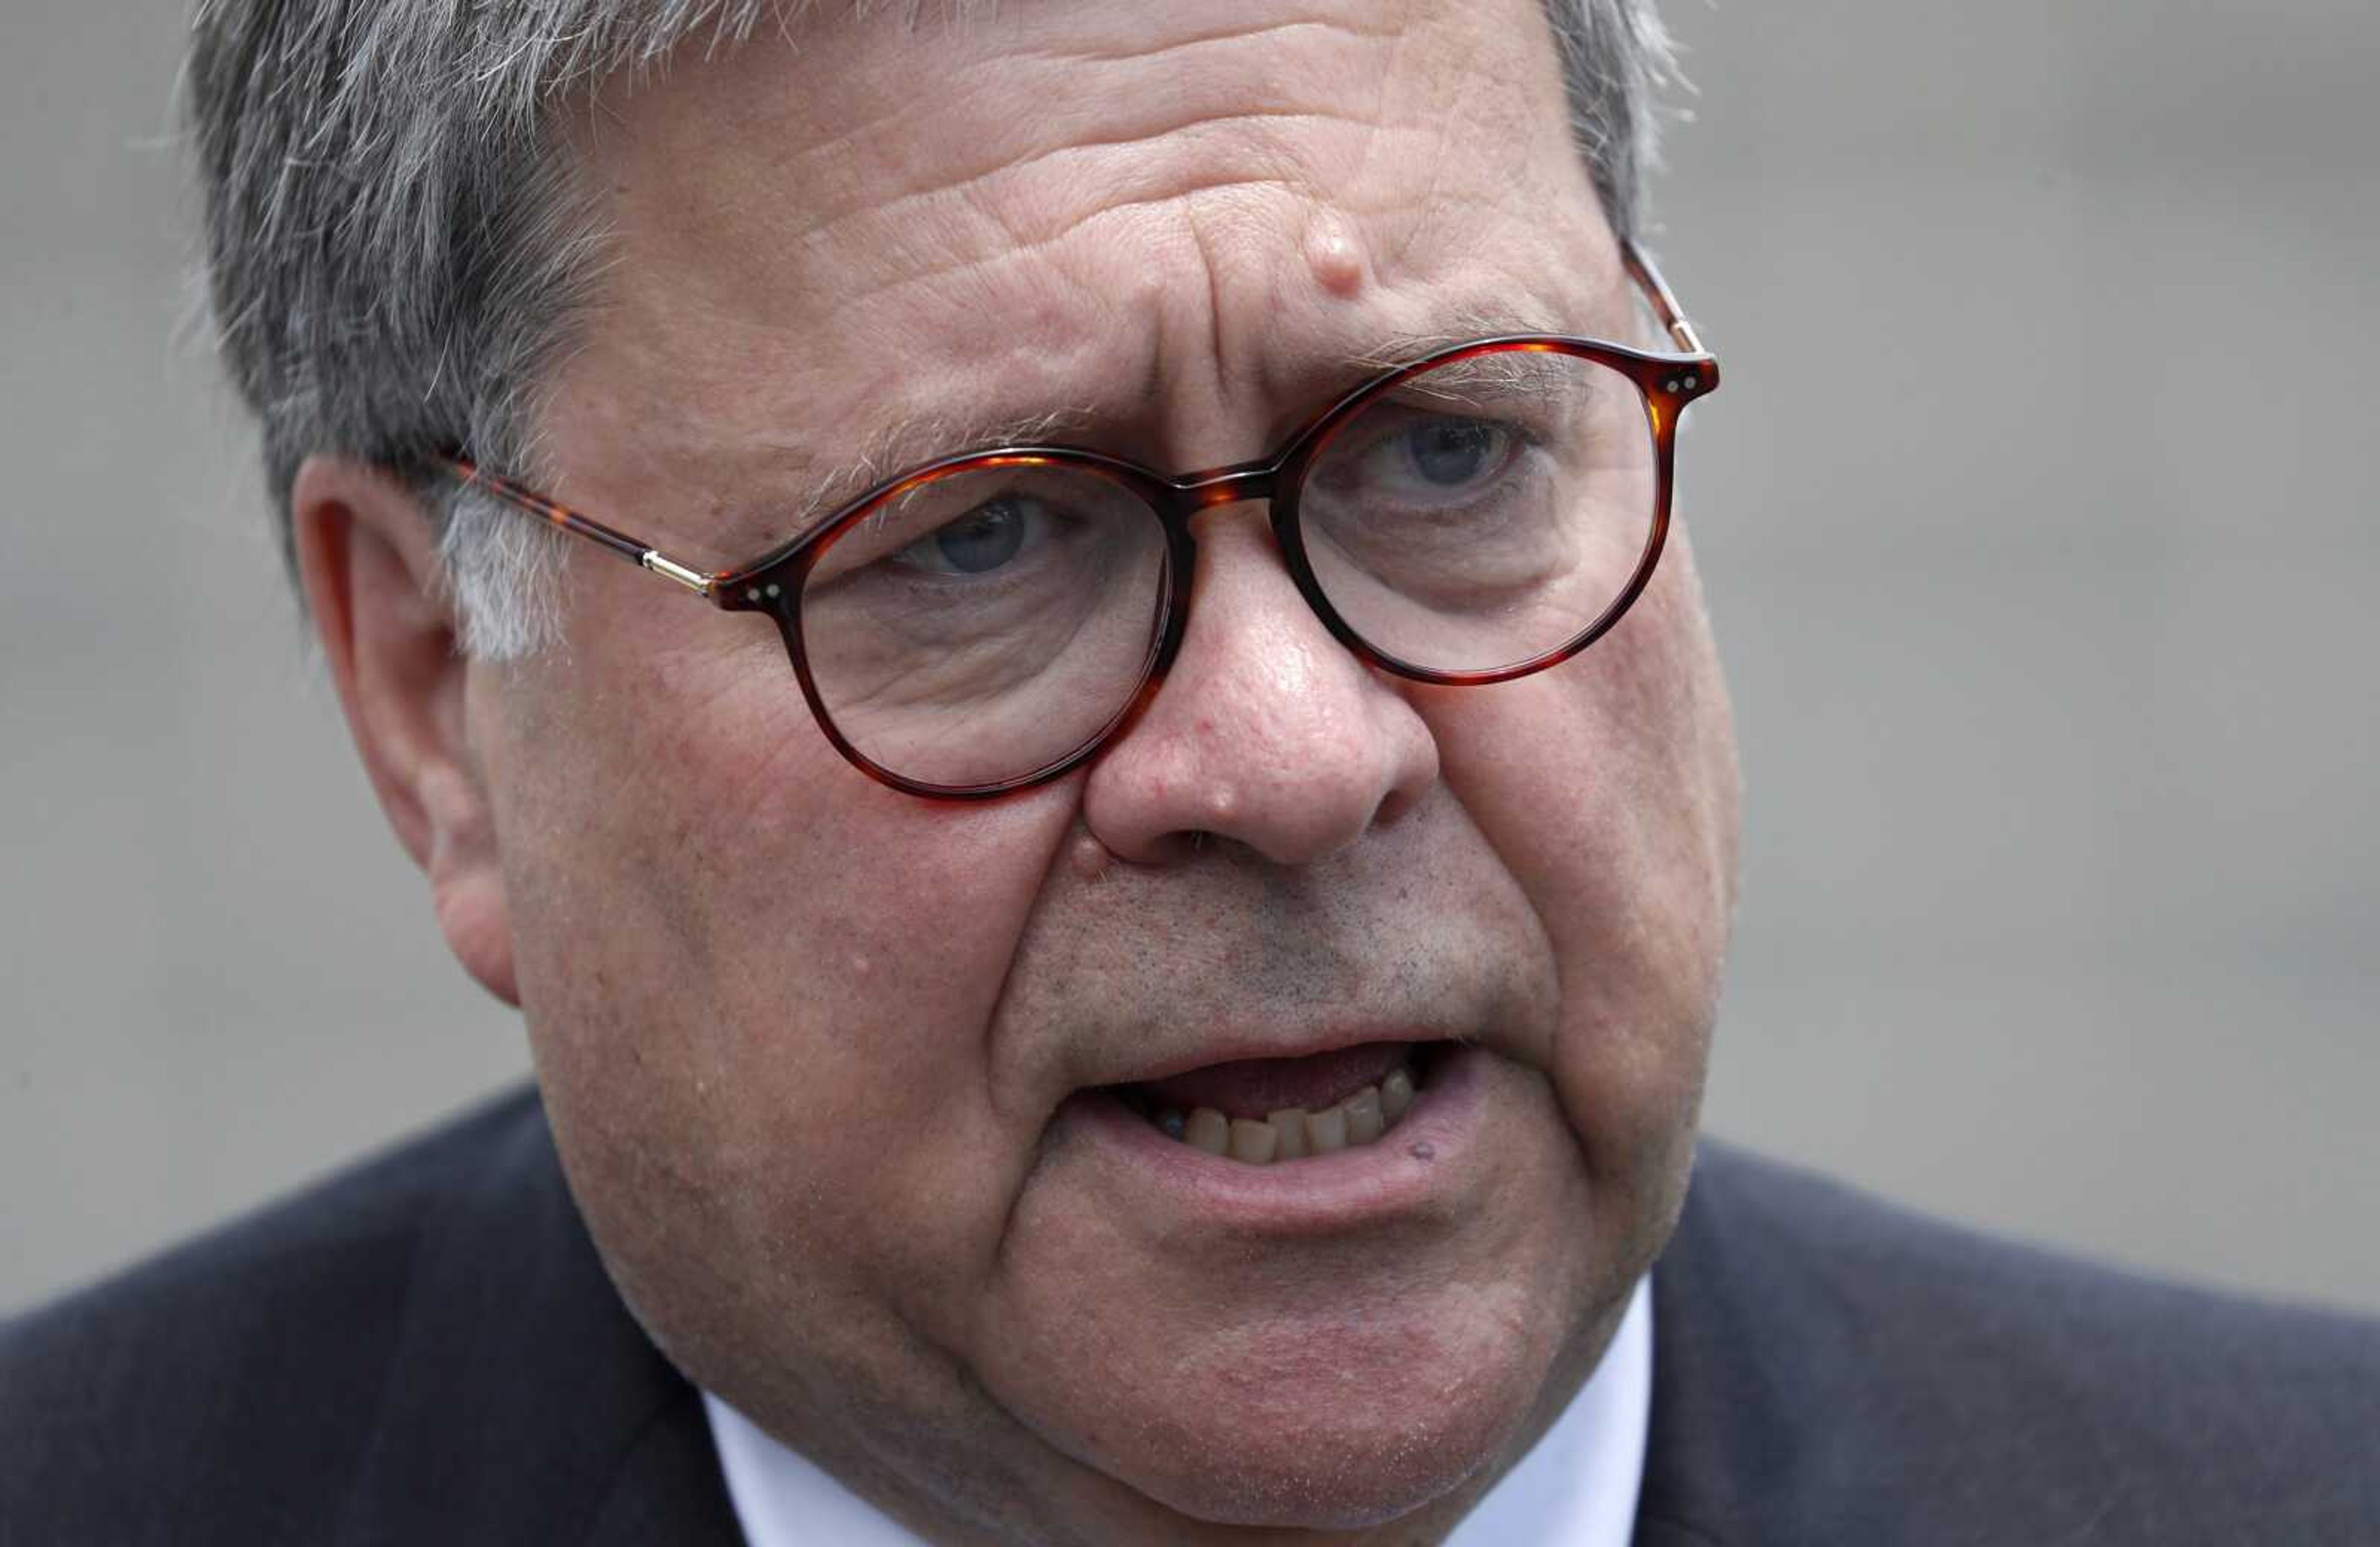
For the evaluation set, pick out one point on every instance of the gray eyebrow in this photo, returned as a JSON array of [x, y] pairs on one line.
[[909, 443], [1463, 325]]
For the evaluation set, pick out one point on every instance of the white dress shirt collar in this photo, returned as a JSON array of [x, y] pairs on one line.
[[1576, 1488]]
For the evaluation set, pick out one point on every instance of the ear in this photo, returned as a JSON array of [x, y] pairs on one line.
[[368, 561]]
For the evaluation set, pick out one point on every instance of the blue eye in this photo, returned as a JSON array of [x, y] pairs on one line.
[[1449, 453], [984, 539]]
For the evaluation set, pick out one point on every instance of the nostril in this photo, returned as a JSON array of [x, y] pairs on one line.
[[1400, 799]]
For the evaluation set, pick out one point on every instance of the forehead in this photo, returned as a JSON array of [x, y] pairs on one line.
[[1101, 216]]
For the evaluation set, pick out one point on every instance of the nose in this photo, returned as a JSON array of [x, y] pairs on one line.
[[1267, 731]]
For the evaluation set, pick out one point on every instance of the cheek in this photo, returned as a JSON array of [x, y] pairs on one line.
[[757, 985], [1607, 786]]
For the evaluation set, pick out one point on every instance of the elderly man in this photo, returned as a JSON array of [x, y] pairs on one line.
[[1142, 969]]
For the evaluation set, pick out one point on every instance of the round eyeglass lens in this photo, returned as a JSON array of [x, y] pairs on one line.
[[1485, 513], [980, 625]]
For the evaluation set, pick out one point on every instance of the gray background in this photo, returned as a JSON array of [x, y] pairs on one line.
[[2037, 516]]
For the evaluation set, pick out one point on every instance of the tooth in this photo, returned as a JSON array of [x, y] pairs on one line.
[[1173, 1122], [1326, 1131], [1253, 1141], [1364, 1120], [1289, 1124], [1396, 1094], [1209, 1130]]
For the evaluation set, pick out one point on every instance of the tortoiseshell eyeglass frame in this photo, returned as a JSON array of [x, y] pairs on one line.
[[774, 583]]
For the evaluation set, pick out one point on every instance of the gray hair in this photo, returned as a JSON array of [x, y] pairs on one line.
[[396, 251]]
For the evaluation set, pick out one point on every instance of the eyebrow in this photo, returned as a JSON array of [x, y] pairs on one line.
[[1465, 325], [895, 448]]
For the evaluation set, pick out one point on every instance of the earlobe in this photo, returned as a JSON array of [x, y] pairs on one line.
[[367, 559]]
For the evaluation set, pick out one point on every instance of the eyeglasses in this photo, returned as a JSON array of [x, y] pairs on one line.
[[990, 621]]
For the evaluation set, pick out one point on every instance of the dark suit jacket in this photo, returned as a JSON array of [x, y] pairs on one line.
[[427, 1350]]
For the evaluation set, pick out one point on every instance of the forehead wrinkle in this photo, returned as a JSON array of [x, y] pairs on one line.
[[1117, 136], [850, 144], [1267, 159], [1118, 122], [1021, 245], [1066, 50], [1023, 231]]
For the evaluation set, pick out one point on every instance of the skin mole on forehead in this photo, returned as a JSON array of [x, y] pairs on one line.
[[1335, 254]]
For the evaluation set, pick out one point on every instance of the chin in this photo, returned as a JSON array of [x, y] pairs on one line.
[[1328, 1431], [1359, 1471], [1327, 1482]]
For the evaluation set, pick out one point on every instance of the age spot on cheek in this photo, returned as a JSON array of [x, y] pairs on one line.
[[1334, 256]]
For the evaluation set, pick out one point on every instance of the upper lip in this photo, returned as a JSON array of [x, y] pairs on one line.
[[1165, 1063]]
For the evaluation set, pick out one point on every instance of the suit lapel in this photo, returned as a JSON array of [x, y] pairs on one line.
[[668, 1488], [524, 1404], [1721, 1442]]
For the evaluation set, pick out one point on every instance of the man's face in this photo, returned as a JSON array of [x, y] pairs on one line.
[[831, 1066]]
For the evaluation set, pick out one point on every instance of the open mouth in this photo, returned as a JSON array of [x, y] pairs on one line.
[[1263, 1111]]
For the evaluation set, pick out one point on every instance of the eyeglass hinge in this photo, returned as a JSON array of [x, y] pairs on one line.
[[1687, 340], [692, 579]]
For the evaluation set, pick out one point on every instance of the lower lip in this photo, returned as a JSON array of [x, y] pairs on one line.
[[1403, 1170]]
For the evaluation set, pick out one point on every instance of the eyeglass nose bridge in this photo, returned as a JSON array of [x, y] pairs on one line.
[[1232, 484], [1258, 482], [1264, 482]]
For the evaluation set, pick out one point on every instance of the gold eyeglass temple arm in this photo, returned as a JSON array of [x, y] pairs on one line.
[[571, 521], [1664, 299]]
